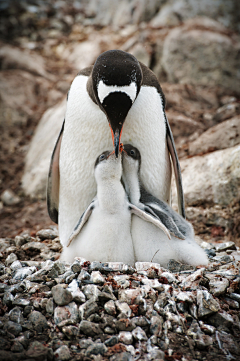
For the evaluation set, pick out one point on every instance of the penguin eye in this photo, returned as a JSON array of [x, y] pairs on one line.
[[102, 156], [132, 152]]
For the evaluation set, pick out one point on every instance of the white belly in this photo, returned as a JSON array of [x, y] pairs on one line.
[[105, 237], [87, 134], [151, 244]]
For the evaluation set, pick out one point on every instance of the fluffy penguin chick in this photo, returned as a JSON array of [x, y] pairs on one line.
[[103, 231], [149, 242]]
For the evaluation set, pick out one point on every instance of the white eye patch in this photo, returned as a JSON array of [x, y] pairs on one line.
[[104, 90]]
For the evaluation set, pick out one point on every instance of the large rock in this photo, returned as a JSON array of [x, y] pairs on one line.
[[223, 135], [196, 54], [212, 178], [174, 12], [119, 13], [38, 158]]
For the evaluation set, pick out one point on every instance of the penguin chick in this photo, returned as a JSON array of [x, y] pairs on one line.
[[103, 231], [150, 243]]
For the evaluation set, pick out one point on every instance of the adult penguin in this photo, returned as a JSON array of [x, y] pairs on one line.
[[120, 92]]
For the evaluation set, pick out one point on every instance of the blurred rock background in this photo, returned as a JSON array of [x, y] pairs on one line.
[[194, 49]]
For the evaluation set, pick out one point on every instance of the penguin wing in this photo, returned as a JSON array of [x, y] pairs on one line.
[[167, 220], [177, 169], [53, 180], [82, 220], [148, 218]]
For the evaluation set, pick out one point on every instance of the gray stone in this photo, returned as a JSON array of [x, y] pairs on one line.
[[227, 245], [62, 313], [87, 308], [89, 328], [156, 323], [77, 295], [125, 324], [139, 334], [222, 319], [16, 265], [47, 234], [13, 328], [8, 299], [123, 356], [16, 315], [203, 56], [19, 241], [172, 13], [10, 259], [76, 267], [39, 321], [23, 272], [91, 291], [125, 337], [203, 341], [70, 331], [218, 287], [17, 347], [84, 275], [111, 341], [218, 177], [9, 198], [122, 280], [96, 349], [123, 308], [61, 295], [97, 278], [169, 276], [63, 353], [207, 305], [220, 136], [110, 308], [85, 343], [38, 352], [50, 306]]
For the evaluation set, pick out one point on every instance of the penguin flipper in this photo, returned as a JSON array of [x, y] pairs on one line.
[[82, 220], [53, 180], [167, 220], [149, 218], [177, 169]]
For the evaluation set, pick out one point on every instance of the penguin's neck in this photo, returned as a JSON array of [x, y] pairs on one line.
[[111, 195], [132, 186]]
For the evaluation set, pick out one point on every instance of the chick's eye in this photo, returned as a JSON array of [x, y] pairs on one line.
[[102, 156], [132, 152]]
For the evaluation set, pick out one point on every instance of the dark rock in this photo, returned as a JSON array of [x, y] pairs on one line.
[[38, 320], [87, 308], [125, 324], [222, 318], [13, 328], [96, 349], [4, 344], [38, 352], [62, 353], [8, 299], [70, 331], [17, 347], [111, 341], [123, 356], [89, 328]]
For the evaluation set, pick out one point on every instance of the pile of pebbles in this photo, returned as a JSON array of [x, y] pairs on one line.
[[50, 310]]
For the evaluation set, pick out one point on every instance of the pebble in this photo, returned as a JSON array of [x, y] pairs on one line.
[[139, 334], [39, 321], [110, 308], [125, 337], [62, 313], [61, 295], [96, 349], [62, 353], [207, 305], [10, 259]]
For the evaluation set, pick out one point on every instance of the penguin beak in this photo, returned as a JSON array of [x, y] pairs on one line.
[[116, 142]]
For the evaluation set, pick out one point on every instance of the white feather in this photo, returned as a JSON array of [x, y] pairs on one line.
[[104, 90]]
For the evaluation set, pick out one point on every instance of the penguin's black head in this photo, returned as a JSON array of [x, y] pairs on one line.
[[116, 79]]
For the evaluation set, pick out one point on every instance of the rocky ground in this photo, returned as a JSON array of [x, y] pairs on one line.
[[112, 311], [51, 310]]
